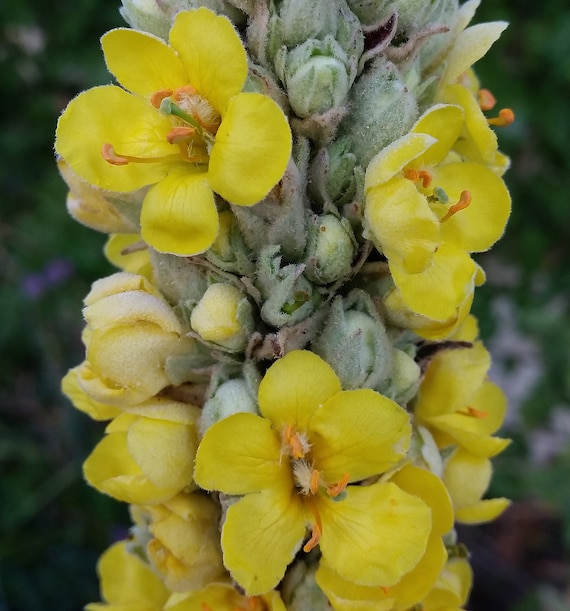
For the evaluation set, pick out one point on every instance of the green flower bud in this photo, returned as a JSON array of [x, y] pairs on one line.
[[229, 251], [317, 75], [300, 590], [289, 296], [157, 16], [224, 317], [383, 109], [355, 343], [330, 249], [298, 21], [231, 397]]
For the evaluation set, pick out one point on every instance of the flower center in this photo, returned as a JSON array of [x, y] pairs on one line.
[[438, 194], [194, 126], [309, 481]]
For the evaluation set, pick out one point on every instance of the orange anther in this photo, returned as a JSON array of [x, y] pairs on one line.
[[506, 117], [386, 590], [486, 99], [464, 201], [206, 607], [316, 532], [291, 438], [111, 157], [176, 134], [335, 489], [315, 481], [158, 96], [417, 175], [184, 90]]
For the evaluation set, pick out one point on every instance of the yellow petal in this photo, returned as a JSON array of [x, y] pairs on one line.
[[212, 54], [483, 511], [119, 282], [432, 491], [477, 227], [260, 537], [440, 290], [127, 580], [240, 454], [402, 224], [111, 115], [122, 250], [82, 401], [179, 215], [111, 469], [358, 432], [164, 451], [251, 151], [394, 157], [443, 122], [470, 46], [381, 523], [452, 588], [419, 581], [345, 595], [294, 387], [141, 62]]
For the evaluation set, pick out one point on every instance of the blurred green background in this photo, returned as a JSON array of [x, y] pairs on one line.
[[53, 526]]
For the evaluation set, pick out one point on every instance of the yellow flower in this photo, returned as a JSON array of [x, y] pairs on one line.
[[131, 335], [459, 405], [426, 213], [181, 124], [128, 583], [293, 465], [147, 455], [184, 545], [467, 478]]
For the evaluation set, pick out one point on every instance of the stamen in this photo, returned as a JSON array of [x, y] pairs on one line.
[[474, 412], [114, 158], [506, 117], [158, 96], [111, 157], [205, 607], [340, 486], [417, 175], [315, 481], [296, 441], [464, 201], [486, 99], [184, 90], [316, 532], [177, 134], [386, 590], [316, 529]]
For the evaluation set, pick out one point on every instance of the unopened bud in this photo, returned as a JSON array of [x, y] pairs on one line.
[[382, 110], [224, 317], [330, 251], [231, 397], [355, 343]]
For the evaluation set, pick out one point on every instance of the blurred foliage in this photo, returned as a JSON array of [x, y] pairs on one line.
[[52, 526]]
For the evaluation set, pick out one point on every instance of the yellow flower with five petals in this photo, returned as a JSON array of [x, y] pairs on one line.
[[181, 124], [293, 467], [426, 212]]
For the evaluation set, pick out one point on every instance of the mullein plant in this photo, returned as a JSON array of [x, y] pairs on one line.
[[298, 402]]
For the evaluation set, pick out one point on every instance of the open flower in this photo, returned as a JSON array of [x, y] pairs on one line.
[[426, 212], [459, 405], [293, 466], [180, 124]]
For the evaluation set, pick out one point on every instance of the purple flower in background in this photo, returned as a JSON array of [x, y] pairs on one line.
[[53, 273]]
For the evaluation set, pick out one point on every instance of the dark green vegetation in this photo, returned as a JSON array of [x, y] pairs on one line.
[[52, 526]]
